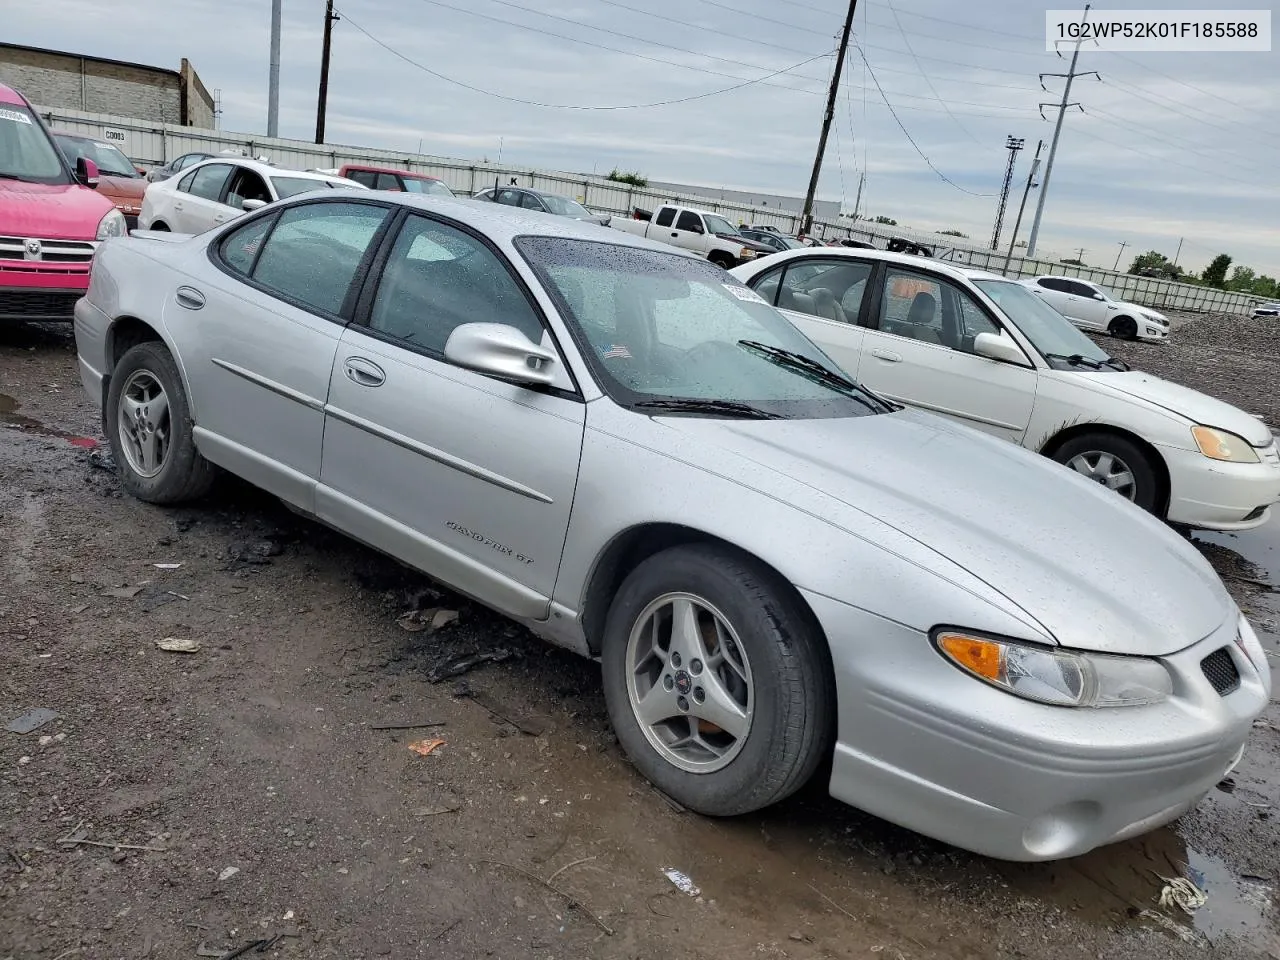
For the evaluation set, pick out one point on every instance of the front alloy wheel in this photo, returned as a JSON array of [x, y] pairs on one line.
[[144, 423]]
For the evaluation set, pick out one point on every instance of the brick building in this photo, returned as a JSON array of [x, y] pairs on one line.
[[70, 81]]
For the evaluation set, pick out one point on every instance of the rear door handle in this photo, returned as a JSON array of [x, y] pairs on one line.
[[190, 297], [887, 356], [364, 372]]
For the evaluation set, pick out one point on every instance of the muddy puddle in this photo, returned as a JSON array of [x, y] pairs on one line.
[[11, 418]]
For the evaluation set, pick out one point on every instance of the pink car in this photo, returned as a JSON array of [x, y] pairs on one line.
[[51, 218]]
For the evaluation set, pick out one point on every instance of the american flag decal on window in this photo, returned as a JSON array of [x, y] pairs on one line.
[[617, 351]]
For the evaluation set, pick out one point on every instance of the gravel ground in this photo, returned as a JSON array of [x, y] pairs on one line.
[[200, 802]]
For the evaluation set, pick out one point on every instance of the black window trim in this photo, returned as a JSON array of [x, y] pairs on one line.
[[371, 280], [941, 279], [345, 312]]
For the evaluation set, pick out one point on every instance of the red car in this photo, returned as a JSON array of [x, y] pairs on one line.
[[385, 178], [118, 179], [51, 218]]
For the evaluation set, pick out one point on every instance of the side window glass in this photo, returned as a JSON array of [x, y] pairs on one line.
[[973, 321], [1082, 290], [184, 162], [185, 183], [530, 202], [246, 185], [389, 181], [438, 278], [315, 250], [510, 197], [830, 289], [767, 284], [209, 179], [689, 221], [363, 177], [912, 307], [665, 216], [241, 246]]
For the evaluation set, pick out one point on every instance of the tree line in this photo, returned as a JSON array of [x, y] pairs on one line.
[[1242, 279]]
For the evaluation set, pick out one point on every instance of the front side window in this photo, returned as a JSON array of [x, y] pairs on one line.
[[292, 186], [388, 181], [26, 152], [209, 180], [510, 197], [1049, 331], [438, 278], [530, 202], [365, 177], [662, 328], [313, 253], [689, 221], [246, 185]]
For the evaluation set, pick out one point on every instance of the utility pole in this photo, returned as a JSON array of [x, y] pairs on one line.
[[806, 218], [1035, 165], [1013, 145], [1123, 244], [273, 77], [1057, 132], [1080, 256], [322, 102], [1179, 253], [857, 204]]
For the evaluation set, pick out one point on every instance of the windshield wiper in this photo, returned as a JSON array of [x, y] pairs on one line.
[[730, 408], [14, 176], [799, 362], [1076, 360]]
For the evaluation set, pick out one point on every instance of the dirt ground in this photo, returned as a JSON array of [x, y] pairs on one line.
[[190, 804]]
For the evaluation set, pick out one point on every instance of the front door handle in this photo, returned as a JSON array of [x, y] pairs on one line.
[[364, 372], [190, 297], [886, 356], [675, 233]]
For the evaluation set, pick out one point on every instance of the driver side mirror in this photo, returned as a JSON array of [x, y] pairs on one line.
[[997, 346], [501, 350], [1099, 297], [87, 172], [251, 205]]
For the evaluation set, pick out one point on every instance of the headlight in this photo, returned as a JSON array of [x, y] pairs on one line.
[[112, 225], [1057, 677], [1248, 643], [746, 254], [1220, 445]]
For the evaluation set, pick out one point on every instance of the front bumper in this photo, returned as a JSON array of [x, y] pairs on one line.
[[925, 746], [1149, 330], [1211, 495], [37, 291]]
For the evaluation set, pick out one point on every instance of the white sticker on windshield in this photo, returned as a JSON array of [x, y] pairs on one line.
[[15, 116], [745, 293]]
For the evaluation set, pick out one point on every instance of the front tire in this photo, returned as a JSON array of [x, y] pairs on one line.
[[722, 260], [148, 423], [717, 680], [1116, 463], [1124, 327]]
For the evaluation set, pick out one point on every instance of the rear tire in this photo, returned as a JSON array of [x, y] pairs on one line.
[[148, 423], [722, 260], [1114, 462], [749, 642], [1125, 327], [161, 226]]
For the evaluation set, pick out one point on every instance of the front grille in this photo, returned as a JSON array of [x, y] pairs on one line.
[[38, 304], [1219, 668], [51, 251]]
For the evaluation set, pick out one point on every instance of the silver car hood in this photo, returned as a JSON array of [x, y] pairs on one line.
[[1095, 571]]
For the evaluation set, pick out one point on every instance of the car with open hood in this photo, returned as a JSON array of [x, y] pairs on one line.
[[989, 353], [627, 450]]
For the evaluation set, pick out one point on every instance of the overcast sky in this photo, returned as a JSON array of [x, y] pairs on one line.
[[1170, 145]]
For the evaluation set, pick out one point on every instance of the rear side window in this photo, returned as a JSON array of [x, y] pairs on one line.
[[209, 180], [240, 248], [185, 183], [1053, 283], [665, 216], [314, 252]]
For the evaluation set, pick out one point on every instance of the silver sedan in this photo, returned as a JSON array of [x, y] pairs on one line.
[[628, 451]]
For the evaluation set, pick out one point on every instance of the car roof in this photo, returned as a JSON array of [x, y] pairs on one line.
[[267, 170], [11, 96], [952, 270], [367, 168]]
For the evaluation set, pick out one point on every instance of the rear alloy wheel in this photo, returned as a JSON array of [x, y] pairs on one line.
[[1115, 463], [1125, 327], [716, 682], [149, 426]]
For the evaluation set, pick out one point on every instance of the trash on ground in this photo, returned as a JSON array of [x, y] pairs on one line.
[[432, 619], [257, 553], [1185, 934], [407, 726], [456, 664], [425, 747], [124, 593], [178, 645], [204, 950], [167, 566], [530, 725], [1183, 893], [32, 719], [288, 915], [435, 811], [1227, 785], [102, 460], [228, 872], [682, 881]]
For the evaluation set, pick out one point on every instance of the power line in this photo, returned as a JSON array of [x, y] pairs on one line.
[[685, 23], [1147, 95], [568, 106], [1165, 159], [942, 176], [924, 76], [1131, 124]]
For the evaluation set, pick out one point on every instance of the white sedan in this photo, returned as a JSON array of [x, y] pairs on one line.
[[1091, 306], [219, 189], [984, 350]]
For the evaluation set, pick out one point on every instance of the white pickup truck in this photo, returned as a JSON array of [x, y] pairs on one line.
[[701, 231]]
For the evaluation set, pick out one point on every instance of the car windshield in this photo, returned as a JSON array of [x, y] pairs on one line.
[[1049, 331], [564, 207], [436, 187], [292, 186], [659, 328], [109, 160], [720, 225], [26, 152]]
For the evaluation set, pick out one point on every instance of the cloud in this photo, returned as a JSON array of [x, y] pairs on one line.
[[1168, 145]]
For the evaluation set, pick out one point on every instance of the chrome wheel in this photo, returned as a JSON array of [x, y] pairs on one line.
[[143, 415], [689, 683], [1107, 469]]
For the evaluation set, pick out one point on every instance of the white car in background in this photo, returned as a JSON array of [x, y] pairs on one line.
[[985, 351], [1266, 310], [220, 189], [1091, 306]]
